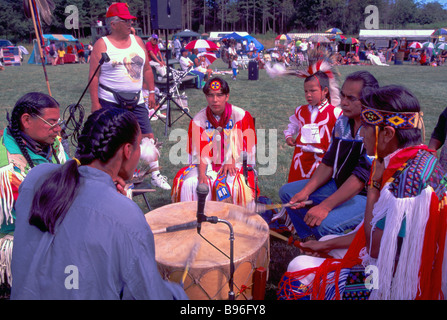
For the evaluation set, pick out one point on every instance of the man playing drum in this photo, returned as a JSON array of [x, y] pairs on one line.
[[218, 137]]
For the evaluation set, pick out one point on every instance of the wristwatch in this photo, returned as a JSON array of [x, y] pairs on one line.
[[376, 184]]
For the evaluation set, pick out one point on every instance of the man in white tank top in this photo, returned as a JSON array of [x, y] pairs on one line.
[[126, 71]]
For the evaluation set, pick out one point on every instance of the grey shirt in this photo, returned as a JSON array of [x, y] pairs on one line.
[[103, 248]]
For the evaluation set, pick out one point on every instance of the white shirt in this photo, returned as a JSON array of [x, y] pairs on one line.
[[185, 63]]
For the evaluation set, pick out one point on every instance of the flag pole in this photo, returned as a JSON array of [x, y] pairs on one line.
[[39, 36]]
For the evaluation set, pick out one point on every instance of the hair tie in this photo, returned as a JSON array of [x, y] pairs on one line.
[[77, 161]]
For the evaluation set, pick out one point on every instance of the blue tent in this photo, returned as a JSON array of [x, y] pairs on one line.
[[234, 36], [259, 46], [35, 55]]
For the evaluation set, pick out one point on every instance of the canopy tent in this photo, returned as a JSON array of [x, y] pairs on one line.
[[259, 46], [35, 55], [187, 34], [235, 36]]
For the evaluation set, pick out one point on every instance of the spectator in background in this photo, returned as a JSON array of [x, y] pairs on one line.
[[155, 57]]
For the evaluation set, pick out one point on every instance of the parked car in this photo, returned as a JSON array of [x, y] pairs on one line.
[[5, 43]]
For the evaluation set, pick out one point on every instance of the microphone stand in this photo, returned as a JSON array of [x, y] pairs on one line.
[[72, 108], [202, 192]]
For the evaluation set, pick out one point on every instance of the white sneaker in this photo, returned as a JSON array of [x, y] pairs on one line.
[[151, 112], [160, 115], [161, 182]]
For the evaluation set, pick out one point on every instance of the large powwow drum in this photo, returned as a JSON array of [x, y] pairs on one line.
[[209, 272]]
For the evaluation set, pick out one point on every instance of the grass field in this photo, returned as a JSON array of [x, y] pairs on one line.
[[271, 102]]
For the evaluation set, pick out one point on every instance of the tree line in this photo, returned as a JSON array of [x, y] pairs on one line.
[[252, 16]]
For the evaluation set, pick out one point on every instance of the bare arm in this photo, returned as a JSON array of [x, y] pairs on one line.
[[95, 57], [148, 76]]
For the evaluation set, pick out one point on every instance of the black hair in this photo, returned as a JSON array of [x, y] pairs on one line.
[[323, 80], [32, 103], [370, 83], [399, 99], [223, 85], [104, 132]]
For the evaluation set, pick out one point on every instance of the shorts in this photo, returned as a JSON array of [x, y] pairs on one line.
[[140, 111]]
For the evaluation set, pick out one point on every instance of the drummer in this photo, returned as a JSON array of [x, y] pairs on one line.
[[218, 138], [76, 236]]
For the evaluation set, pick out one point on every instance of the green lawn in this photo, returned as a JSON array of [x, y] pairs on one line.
[[271, 102]]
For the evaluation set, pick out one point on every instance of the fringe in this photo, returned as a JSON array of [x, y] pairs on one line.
[[402, 283], [6, 194], [6, 244]]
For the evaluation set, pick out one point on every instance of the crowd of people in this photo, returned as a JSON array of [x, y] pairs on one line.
[[55, 53], [363, 189]]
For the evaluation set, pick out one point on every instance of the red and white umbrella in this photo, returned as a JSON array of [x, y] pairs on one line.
[[209, 57], [416, 45], [201, 44]]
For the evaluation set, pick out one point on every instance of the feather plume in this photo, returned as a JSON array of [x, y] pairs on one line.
[[319, 60], [149, 150]]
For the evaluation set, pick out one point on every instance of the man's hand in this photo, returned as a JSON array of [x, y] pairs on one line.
[[120, 185], [290, 141], [316, 215], [298, 200], [228, 169], [315, 248], [151, 101]]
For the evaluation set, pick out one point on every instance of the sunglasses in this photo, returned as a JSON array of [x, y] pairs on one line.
[[59, 122]]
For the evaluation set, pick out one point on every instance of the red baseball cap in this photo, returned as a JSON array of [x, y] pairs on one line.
[[119, 9]]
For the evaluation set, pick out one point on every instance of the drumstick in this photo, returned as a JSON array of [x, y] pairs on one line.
[[245, 216], [264, 207], [190, 260]]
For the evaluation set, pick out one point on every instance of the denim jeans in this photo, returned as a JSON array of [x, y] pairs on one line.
[[346, 216]]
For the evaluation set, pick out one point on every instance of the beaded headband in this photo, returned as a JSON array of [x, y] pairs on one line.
[[397, 120]]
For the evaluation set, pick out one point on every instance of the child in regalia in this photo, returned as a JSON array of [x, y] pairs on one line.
[[310, 127]]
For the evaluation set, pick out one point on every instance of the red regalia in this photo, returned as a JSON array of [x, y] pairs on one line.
[[313, 138], [217, 142]]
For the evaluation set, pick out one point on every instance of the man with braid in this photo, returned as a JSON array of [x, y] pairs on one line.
[[31, 138], [78, 237]]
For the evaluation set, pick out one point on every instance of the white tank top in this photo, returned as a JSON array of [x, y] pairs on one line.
[[124, 71]]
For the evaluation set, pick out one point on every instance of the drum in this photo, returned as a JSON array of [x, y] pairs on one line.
[[209, 272]]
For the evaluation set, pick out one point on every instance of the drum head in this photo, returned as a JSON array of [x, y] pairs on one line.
[[174, 248]]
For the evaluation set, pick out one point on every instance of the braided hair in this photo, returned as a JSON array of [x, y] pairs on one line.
[[104, 132], [32, 103]]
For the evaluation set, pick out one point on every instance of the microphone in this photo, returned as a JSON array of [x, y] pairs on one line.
[[104, 58], [244, 164], [202, 192]]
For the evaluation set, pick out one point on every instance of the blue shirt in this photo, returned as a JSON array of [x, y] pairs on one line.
[[103, 248]]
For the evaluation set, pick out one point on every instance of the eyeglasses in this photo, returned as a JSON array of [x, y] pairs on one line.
[[59, 122], [129, 21]]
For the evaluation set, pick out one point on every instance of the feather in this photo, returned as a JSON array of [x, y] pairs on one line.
[[192, 256], [149, 151], [45, 9]]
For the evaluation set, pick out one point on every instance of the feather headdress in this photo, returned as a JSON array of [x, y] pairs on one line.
[[322, 64]]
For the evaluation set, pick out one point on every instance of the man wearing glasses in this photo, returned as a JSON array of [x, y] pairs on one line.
[[123, 78], [337, 188], [31, 138]]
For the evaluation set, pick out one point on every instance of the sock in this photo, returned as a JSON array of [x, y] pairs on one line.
[[154, 165]]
